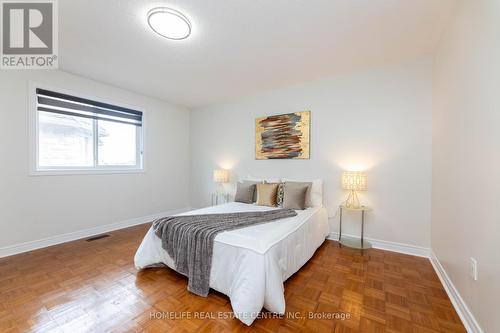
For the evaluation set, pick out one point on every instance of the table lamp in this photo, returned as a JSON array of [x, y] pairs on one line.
[[221, 176], [353, 181]]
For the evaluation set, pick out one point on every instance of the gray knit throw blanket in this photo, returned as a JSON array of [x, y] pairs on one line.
[[189, 240]]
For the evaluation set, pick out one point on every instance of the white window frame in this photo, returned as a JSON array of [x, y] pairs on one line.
[[36, 170]]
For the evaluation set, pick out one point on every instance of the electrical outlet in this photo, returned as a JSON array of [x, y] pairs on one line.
[[473, 269]]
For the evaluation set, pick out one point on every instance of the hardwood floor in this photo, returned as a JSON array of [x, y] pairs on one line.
[[93, 287]]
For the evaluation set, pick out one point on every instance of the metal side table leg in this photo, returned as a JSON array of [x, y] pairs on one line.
[[340, 228], [362, 227]]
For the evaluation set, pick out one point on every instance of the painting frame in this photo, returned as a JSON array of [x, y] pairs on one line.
[[283, 136]]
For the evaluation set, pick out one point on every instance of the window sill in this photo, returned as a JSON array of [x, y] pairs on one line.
[[66, 172]]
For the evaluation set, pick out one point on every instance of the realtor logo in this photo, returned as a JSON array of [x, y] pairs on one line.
[[29, 34]]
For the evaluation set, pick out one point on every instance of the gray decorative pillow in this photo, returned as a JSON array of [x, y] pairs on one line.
[[294, 195], [245, 192]]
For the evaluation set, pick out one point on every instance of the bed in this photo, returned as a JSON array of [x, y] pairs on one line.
[[249, 265]]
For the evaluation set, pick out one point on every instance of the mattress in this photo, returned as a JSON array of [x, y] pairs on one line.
[[249, 265]]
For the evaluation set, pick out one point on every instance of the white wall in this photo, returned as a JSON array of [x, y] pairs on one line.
[[36, 207], [378, 120], [466, 156]]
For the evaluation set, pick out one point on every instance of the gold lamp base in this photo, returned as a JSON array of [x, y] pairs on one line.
[[352, 200]]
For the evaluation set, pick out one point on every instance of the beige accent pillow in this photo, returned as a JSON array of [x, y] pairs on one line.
[[267, 194]]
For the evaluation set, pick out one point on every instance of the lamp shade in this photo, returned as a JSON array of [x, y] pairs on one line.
[[221, 176], [354, 180]]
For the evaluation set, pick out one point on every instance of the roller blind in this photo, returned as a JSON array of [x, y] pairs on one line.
[[54, 102]]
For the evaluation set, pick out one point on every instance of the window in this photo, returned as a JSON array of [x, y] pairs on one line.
[[74, 134]]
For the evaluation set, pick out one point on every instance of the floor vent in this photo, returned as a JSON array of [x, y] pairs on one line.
[[91, 239]]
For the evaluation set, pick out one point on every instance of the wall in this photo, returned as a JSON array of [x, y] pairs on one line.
[[36, 207], [378, 120], [466, 159]]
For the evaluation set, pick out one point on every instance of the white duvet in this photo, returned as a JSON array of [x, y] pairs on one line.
[[249, 265]]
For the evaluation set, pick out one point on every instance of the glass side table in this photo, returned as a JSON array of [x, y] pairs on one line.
[[218, 199], [350, 242]]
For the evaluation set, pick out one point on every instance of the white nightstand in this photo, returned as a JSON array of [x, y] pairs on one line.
[[357, 244]]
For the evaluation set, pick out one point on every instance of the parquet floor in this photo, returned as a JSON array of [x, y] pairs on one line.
[[93, 287]]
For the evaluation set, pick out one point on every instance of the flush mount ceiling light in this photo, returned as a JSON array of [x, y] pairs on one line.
[[169, 23]]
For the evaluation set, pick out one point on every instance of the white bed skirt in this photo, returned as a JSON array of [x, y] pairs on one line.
[[249, 265]]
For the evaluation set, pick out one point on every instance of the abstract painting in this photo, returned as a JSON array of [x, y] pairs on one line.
[[284, 136]]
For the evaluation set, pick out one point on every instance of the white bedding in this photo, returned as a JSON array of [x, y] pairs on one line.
[[250, 264]]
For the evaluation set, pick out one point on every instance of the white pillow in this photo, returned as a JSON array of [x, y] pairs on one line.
[[263, 180], [316, 198]]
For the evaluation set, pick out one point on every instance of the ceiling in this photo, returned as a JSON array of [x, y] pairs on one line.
[[241, 47]]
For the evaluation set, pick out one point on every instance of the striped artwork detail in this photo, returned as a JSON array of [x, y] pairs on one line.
[[284, 136]]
